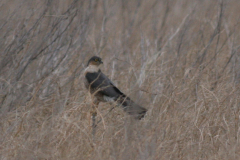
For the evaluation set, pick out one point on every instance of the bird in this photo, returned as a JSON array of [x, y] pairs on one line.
[[102, 89]]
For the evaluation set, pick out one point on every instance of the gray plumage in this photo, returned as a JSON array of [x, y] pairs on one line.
[[104, 90]]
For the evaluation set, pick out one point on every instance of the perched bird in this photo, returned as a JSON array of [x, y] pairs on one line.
[[103, 90]]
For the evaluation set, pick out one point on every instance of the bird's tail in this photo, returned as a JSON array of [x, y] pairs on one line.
[[132, 108]]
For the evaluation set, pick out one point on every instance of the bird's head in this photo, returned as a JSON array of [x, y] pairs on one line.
[[95, 60]]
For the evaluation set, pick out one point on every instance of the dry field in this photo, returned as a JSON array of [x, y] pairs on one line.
[[178, 58]]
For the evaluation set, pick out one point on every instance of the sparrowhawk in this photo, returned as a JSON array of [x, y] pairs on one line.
[[103, 90]]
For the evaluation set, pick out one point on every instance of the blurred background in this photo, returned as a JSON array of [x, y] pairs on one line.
[[177, 58]]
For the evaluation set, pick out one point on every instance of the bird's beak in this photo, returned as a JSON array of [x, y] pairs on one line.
[[101, 62]]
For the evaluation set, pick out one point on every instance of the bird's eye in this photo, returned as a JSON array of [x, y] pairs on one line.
[[96, 60]]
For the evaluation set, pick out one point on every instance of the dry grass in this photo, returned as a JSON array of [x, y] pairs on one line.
[[179, 59]]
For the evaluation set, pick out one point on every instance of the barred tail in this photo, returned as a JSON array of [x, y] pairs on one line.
[[132, 108]]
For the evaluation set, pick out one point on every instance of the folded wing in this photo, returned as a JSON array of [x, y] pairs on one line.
[[98, 81]]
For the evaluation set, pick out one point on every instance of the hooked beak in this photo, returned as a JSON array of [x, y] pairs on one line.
[[101, 62]]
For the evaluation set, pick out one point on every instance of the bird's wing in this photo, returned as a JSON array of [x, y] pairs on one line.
[[97, 80]]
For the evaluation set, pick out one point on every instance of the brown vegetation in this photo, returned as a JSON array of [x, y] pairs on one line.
[[178, 58]]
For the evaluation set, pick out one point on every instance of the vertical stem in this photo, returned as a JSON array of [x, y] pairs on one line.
[[94, 113]]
